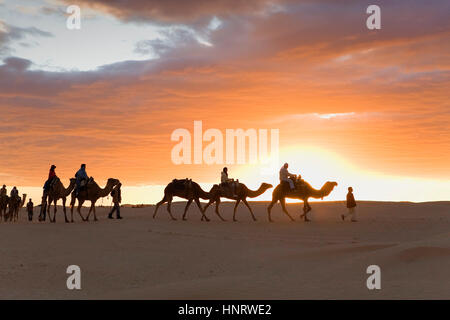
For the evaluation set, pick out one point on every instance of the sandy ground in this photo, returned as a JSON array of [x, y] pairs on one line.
[[144, 258]]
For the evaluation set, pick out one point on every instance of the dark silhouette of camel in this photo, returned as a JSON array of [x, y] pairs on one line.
[[186, 189], [302, 191], [242, 192]]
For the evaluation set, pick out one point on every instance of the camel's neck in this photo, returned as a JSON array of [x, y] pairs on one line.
[[69, 189], [203, 194], [106, 190], [256, 193], [323, 192]]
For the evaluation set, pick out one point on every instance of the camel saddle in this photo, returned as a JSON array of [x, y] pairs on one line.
[[226, 189], [181, 184], [298, 186]]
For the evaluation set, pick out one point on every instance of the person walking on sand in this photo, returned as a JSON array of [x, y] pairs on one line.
[[351, 205], [116, 194], [30, 210]]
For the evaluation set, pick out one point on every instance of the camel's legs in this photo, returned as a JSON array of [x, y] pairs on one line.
[[211, 201], [93, 207], [48, 205], [235, 207], [306, 209], [217, 209], [54, 212], [169, 205], [186, 208], [72, 205], [197, 201], [164, 199], [64, 209], [283, 206], [80, 203], [269, 209], [249, 208]]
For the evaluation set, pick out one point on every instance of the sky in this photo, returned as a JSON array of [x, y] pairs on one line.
[[365, 108]]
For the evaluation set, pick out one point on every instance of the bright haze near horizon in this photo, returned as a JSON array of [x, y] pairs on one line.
[[366, 108]]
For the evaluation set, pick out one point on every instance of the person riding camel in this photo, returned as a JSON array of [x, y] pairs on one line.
[[286, 176], [14, 193], [51, 177], [81, 178], [227, 182], [3, 191]]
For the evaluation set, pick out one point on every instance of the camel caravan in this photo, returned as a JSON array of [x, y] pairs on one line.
[[83, 188], [291, 186], [10, 205]]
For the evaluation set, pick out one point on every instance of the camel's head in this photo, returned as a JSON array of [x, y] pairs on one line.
[[113, 182], [329, 186], [73, 180], [266, 186]]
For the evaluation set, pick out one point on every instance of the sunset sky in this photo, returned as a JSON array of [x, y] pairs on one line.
[[366, 108]]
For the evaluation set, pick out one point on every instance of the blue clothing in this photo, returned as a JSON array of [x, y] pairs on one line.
[[81, 175]]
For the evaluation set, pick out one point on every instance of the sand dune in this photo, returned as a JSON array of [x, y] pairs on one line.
[[142, 258]]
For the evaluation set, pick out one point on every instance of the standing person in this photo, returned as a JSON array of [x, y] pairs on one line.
[[51, 176], [351, 205], [286, 176], [116, 194], [81, 178], [30, 210]]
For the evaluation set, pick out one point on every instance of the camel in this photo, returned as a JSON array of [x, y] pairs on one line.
[[14, 206], [303, 191], [242, 192], [4, 200], [92, 193], [186, 189], [56, 192]]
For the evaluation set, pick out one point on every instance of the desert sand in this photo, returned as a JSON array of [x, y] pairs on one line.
[[144, 258]]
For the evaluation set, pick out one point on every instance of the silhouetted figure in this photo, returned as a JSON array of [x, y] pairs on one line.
[[116, 194], [14, 193], [351, 205], [285, 176], [227, 182], [3, 191], [50, 179], [30, 210], [81, 178]]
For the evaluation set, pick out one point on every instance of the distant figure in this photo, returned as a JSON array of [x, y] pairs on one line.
[[351, 205], [116, 194], [51, 176], [227, 182], [14, 193], [3, 191], [286, 176], [30, 210], [81, 178]]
